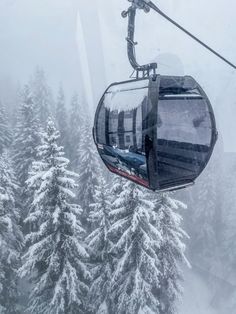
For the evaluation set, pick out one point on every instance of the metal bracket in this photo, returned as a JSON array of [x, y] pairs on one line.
[[147, 69]]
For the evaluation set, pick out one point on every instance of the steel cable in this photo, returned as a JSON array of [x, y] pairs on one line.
[[155, 8]]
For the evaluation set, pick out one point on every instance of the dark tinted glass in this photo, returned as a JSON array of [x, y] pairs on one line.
[[138, 129], [100, 126], [184, 133], [120, 134]]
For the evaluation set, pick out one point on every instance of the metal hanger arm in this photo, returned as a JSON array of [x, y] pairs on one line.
[[131, 13], [131, 45]]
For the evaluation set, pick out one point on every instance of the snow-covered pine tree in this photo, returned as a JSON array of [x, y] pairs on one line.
[[42, 96], [227, 299], [5, 134], [76, 121], [89, 173], [171, 253], [136, 240], [100, 245], [205, 217], [61, 118], [10, 238], [225, 296], [116, 187], [55, 257], [27, 136]]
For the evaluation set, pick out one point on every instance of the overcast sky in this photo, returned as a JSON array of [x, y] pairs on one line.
[[81, 43], [39, 32]]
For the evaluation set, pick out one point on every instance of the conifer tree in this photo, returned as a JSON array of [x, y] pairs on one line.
[[136, 240], [89, 173], [55, 257], [27, 136], [10, 238], [5, 134], [205, 218], [75, 125], [204, 239], [171, 251], [227, 272], [61, 117], [42, 96], [228, 251], [100, 245]]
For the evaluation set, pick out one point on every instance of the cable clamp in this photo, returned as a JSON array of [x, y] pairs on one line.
[[134, 43]]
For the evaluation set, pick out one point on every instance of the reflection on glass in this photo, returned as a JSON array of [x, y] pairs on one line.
[[184, 121], [184, 136], [126, 96], [121, 116], [126, 162]]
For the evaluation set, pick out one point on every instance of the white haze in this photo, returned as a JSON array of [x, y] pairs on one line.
[[212, 21], [82, 44], [47, 33]]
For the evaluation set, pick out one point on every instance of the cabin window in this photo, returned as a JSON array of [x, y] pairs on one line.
[[184, 136]]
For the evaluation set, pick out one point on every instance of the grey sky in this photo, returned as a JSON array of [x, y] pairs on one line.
[[92, 50], [39, 32], [213, 21]]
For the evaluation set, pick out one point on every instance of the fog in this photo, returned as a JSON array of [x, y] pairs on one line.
[[39, 33], [49, 34], [162, 42], [82, 45]]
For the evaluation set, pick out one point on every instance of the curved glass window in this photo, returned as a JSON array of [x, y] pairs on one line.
[[119, 128], [184, 133], [159, 133]]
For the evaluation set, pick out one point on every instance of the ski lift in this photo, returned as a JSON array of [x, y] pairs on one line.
[[158, 131]]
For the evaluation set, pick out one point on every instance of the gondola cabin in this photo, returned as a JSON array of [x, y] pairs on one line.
[[158, 132]]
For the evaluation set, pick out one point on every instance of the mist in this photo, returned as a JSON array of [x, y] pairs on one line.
[[81, 45]]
